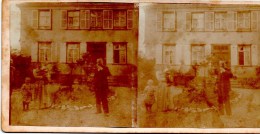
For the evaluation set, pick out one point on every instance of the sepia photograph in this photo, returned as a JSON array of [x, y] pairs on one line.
[[73, 64], [199, 66], [130, 66]]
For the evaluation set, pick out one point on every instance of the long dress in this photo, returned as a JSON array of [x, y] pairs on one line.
[[163, 93]]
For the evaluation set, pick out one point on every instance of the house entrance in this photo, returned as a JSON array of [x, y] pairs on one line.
[[221, 52], [97, 50]]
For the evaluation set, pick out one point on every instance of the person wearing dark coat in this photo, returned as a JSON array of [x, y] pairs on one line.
[[224, 88], [101, 86]]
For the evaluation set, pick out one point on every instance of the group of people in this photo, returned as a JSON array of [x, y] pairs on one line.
[[161, 94], [35, 91]]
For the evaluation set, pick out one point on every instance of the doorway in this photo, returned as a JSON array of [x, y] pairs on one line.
[[97, 50], [221, 52]]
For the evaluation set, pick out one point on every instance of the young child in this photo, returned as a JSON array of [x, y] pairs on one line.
[[27, 89], [149, 96]]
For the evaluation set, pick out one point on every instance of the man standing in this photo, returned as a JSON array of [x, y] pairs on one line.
[[101, 86], [224, 88]]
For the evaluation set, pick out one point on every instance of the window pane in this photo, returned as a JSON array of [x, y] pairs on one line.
[[116, 56], [44, 52], [119, 18], [168, 21], [198, 21], [73, 19], [44, 19], [72, 52]]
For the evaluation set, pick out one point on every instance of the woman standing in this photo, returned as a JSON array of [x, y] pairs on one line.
[[163, 92]]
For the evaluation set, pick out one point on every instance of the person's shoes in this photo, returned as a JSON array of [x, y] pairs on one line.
[[106, 114], [97, 112]]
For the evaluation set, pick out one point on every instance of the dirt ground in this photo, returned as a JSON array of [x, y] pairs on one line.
[[74, 115], [245, 113]]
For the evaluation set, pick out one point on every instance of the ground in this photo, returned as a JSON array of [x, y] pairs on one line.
[[72, 115], [245, 113]]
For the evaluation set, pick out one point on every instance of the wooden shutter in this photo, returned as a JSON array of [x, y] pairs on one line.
[[83, 48], [64, 19], [188, 21], [107, 19], [63, 52], [254, 20], [254, 53], [87, 19], [159, 20], [82, 19], [234, 52], [130, 16], [35, 19], [232, 21], [158, 54], [209, 21], [34, 52], [53, 52], [109, 53]]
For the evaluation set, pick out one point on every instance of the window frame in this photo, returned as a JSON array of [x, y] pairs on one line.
[[250, 54], [163, 21], [243, 29], [67, 48], [39, 19], [174, 53], [49, 43], [203, 20], [78, 27], [223, 21], [194, 45], [118, 43], [119, 27]]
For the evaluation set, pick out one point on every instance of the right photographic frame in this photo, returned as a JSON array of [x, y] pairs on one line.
[[198, 65]]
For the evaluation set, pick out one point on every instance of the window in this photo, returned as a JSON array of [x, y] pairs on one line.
[[44, 51], [120, 19], [119, 53], [197, 53], [243, 21], [44, 19], [197, 21], [244, 54], [73, 19], [72, 52], [96, 17], [220, 21], [168, 21], [168, 53]]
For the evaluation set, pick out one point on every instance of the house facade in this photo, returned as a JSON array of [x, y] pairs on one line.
[[179, 36], [61, 33]]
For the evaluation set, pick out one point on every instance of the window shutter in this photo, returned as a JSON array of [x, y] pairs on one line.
[[232, 21], [209, 21], [34, 52], [87, 19], [254, 20], [130, 15], [158, 51], [53, 52], [107, 19], [254, 53], [109, 53], [34, 19], [234, 51], [82, 19], [188, 21], [64, 19], [83, 48], [63, 52], [159, 20]]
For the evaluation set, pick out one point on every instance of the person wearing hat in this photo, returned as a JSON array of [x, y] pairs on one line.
[[27, 89], [224, 88], [101, 86]]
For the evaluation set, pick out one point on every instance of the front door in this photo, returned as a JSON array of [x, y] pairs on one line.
[[221, 52], [97, 50]]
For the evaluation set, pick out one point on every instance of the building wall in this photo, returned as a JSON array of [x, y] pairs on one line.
[[183, 39], [59, 37]]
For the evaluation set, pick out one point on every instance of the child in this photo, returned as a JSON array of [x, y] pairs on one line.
[[149, 96], [27, 88]]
